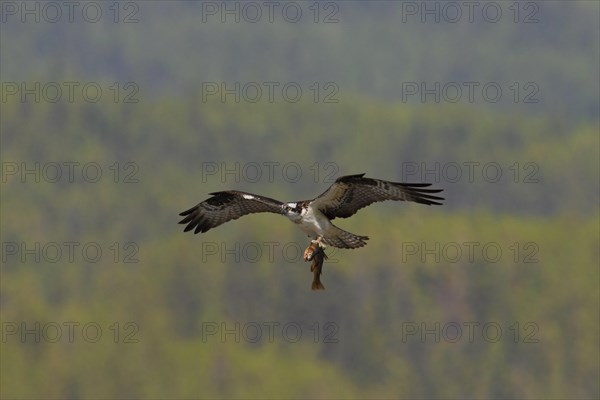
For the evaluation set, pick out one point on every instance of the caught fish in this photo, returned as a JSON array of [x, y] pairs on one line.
[[316, 254]]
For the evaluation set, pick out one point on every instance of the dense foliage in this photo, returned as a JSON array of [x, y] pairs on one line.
[[182, 285]]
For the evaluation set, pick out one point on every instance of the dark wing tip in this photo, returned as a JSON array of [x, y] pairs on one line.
[[194, 219], [187, 212], [195, 222], [415, 185], [419, 194], [428, 201]]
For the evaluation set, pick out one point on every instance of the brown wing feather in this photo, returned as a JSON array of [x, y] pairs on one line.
[[350, 193], [226, 206]]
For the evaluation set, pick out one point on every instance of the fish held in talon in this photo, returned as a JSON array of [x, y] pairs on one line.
[[316, 268], [310, 251]]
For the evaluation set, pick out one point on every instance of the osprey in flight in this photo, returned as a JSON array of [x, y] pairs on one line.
[[344, 198]]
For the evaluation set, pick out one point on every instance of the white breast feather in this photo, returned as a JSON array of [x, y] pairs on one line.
[[314, 222]]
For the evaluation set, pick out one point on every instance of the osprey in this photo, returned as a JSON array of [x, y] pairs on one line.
[[344, 198]]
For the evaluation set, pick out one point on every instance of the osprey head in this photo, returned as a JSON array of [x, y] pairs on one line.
[[292, 210]]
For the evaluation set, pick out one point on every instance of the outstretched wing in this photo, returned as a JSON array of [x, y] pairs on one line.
[[226, 206], [350, 193]]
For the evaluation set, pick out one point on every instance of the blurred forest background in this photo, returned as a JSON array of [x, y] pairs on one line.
[[163, 299]]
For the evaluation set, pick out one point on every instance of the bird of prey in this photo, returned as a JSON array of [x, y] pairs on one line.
[[344, 198]]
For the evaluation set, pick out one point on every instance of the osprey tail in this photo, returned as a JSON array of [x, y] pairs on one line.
[[337, 237]]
